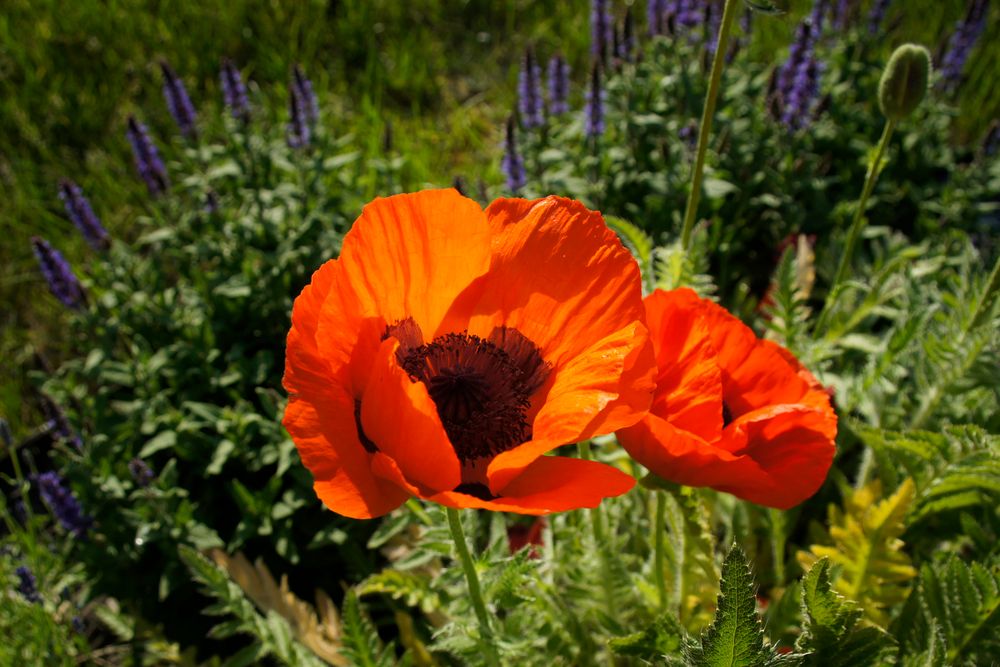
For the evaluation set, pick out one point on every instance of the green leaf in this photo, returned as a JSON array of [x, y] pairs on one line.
[[413, 589], [865, 546], [736, 637], [361, 643], [830, 635], [664, 637], [159, 442]]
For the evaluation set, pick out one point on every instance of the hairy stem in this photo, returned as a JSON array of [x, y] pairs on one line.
[[475, 592], [874, 167], [708, 113], [658, 529]]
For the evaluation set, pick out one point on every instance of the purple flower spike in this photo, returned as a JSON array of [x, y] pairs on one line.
[[58, 424], [529, 92], [655, 10], [27, 586], [58, 274], [512, 164], [178, 101], [234, 92], [82, 215], [626, 45], [297, 132], [796, 84], [147, 158], [687, 13], [594, 106], [306, 94], [558, 85], [961, 43], [877, 15], [140, 472], [63, 503], [601, 30]]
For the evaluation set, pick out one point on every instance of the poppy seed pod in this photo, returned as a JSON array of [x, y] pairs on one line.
[[904, 81]]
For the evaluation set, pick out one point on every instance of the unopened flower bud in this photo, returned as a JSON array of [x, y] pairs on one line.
[[904, 81]]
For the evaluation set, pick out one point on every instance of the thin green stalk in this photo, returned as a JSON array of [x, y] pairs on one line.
[[708, 113], [778, 539], [601, 544], [475, 592], [658, 529], [857, 223]]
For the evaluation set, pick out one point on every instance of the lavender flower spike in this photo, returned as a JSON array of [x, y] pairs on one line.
[[27, 586], [601, 30], [82, 215], [962, 41], [58, 274], [529, 92], [58, 424], [654, 15], [306, 94], [63, 503], [512, 164], [297, 132], [594, 106], [234, 92], [877, 15], [178, 101], [147, 158], [558, 85], [140, 472]]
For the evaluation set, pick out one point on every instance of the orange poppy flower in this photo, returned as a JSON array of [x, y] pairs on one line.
[[449, 348], [731, 411]]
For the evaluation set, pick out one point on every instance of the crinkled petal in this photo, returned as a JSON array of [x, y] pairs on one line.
[[550, 484], [399, 416], [325, 434], [604, 388]]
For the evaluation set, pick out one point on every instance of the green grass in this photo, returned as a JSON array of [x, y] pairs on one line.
[[441, 72]]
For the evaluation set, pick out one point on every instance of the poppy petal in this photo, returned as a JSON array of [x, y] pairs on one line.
[[755, 372], [583, 400], [793, 448], [556, 271], [399, 416], [305, 367], [689, 384], [550, 484], [408, 255], [325, 434]]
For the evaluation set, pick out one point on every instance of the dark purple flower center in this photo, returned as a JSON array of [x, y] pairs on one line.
[[482, 387]]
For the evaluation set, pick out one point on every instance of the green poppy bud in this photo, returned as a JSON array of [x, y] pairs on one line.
[[904, 81], [769, 6]]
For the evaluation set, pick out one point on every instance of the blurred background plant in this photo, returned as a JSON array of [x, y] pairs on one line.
[[213, 173]]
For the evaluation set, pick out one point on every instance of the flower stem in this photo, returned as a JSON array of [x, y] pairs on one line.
[[708, 112], [601, 545], [475, 592], [658, 530], [874, 167]]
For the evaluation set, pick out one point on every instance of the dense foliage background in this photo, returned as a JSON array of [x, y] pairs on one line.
[[158, 402]]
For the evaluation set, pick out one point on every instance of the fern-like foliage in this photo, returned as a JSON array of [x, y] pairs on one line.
[[831, 635], [786, 301], [954, 614], [956, 469], [736, 636], [661, 642], [271, 633], [361, 643], [675, 267], [411, 588], [866, 549], [640, 244]]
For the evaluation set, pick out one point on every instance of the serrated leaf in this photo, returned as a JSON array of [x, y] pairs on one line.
[[830, 635], [865, 546], [663, 637], [736, 637], [412, 588]]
